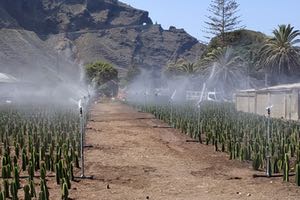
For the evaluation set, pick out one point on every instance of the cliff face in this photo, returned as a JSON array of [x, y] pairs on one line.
[[25, 56], [89, 30], [59, 16], [146, 46]]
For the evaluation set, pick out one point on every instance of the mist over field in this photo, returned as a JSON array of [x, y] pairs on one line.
[[100, 101], [36, 72]]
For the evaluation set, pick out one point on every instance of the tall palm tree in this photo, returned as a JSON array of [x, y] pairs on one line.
[[223, 69], [278, 54]]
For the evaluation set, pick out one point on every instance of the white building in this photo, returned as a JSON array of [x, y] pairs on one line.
[[284, 100], [8, 86]]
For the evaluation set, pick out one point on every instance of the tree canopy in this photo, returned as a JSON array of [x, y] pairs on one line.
[[279, 54], [104, 76], [223, 69], [181, 68], [223, 18]]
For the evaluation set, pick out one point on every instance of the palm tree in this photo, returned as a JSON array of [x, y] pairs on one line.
[[278, 54], [223, 69], [182, 68], [188, 69]]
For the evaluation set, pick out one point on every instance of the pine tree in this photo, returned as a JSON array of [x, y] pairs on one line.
[[223, 18]]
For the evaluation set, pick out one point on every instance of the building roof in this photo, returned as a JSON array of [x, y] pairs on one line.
[[5, 78], [277, 88], [283, 87]]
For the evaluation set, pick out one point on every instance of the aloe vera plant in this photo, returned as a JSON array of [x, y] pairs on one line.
[[241, 135], [36, 139]]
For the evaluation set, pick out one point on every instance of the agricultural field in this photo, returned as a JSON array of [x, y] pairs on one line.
[[137, 156], [242, 135], [38, 143], [41, 152]]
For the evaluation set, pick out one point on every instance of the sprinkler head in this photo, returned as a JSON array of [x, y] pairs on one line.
[[269, 109]]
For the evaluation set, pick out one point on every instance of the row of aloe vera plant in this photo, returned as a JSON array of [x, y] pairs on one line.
[[37, 143], [241, 135]]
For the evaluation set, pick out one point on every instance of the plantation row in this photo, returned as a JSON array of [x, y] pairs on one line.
[[241, 135], [37, 143]]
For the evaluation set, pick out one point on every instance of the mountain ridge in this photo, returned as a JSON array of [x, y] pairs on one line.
[[90, 30]]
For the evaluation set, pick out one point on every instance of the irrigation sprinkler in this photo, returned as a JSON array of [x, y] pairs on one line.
[[86, 103], [81, 138], [84, 108], [171, 113], [268, 171], [198, 123], [145, 98], [268, 152], [155, 101], [82, 133]]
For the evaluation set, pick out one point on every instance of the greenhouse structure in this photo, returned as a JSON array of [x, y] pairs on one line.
[[283, 100], [8, 85]]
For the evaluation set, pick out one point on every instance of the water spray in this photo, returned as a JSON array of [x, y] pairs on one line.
[[171, 107], [8, 101], [198, 107]]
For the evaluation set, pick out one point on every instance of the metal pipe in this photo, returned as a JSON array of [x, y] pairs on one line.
[[198, 121], [84, 113], [268, 144], [81, 141], [171, 114], [83, 118]]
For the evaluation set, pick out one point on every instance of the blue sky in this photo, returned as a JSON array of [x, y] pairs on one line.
[[259, 15]]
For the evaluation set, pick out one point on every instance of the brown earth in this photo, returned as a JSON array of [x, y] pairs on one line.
[[139, 157]]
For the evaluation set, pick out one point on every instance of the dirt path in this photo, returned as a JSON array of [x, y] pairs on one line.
[[138, 160]]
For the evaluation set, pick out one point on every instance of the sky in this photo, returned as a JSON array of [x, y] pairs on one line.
[[258, 15]]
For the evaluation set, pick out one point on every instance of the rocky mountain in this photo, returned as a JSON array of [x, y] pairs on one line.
[[90, 30], [28, 58]]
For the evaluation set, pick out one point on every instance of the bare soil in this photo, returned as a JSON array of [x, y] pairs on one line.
[[134, 156]]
